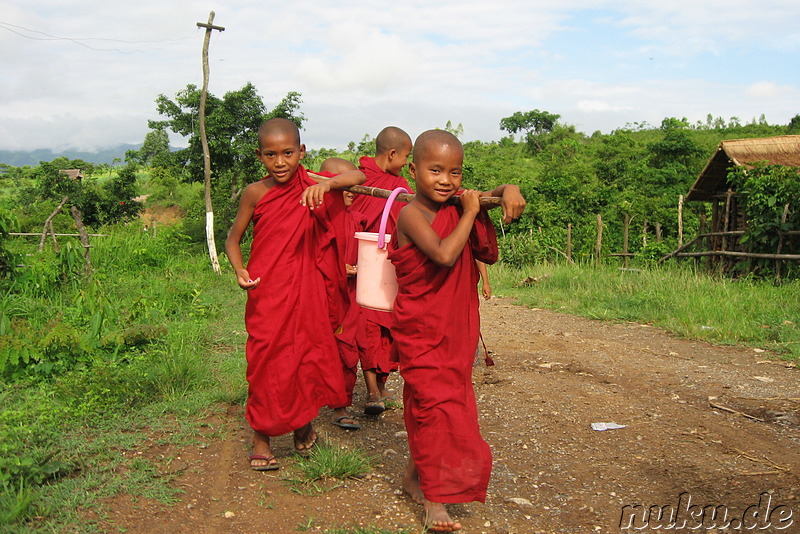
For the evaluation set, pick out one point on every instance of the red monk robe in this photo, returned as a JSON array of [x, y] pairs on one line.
[[377, 342], [347, 338], [293, 366], [436, 328]]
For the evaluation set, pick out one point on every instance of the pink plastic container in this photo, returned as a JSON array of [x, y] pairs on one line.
[[376, 282]]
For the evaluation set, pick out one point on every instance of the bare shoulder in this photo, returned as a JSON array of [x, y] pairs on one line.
[[253, 192]]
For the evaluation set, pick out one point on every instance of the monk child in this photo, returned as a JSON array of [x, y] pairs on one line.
[[347, 336], [293, 366], [436, 327], [392, 148]]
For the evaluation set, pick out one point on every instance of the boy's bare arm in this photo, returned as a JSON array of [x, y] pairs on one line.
[[233, 244], [511, 201], [314, 195], [486, 287], [415, 227]]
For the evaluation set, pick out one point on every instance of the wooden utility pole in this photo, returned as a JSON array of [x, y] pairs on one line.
[[212, 247]]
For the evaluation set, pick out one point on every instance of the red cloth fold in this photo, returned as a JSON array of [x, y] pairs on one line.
[[436, 329], [347, 339], [375, 325], [293, 366]]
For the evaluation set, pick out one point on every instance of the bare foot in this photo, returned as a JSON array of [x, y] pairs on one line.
[[304, 438], [411, 483], [437, 519], [262, 458]]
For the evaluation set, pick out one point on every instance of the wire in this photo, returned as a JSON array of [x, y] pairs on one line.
[[47, 37]]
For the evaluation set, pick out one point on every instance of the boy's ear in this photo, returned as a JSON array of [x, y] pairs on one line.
[[412, 170], [302, 151]]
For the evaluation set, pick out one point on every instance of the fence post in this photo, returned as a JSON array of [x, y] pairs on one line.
[[680, 221], [625, 227], [599, 246], [569, 241]]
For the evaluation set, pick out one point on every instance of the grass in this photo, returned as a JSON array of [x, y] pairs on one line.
[[153, 343], [678, 299], [326, 466]]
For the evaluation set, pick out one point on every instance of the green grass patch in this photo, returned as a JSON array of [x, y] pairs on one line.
[[678, 299], [326, 466]]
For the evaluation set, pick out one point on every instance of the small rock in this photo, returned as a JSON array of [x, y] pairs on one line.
[[519, 501], [389, 451], [401, 434], [764, 379], [228, 514]]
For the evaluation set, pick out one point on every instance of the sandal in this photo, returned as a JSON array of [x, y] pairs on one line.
[[271, 465], [341, 423], [374, 407]]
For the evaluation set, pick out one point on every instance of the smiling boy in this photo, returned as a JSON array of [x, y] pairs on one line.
[[436, 326], [293, 367]]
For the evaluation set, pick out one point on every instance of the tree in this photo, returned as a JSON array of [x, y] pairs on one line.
[[794, 125], [458, 131], [155, 149], [232, 124], [536, 124]]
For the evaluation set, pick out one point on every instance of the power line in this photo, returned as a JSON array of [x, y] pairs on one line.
[[47, 37]]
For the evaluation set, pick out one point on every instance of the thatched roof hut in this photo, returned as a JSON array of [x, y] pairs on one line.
[[721, 242], [74, 174], [713, 181]]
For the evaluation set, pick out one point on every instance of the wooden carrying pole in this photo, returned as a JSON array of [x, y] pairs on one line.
[[487, 202], [212, 247]]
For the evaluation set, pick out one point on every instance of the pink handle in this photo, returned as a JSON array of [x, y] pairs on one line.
[[385, 217]]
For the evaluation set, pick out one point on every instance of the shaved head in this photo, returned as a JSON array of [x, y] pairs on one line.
[[337, 165], [435, 139], [276, 127], [390, 138]]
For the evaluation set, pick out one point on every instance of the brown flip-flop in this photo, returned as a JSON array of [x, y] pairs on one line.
[[269, 466]]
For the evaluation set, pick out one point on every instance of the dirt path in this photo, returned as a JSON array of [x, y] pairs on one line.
[[554, 375]]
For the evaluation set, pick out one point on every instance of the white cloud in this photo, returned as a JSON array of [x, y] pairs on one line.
[[361, 65]]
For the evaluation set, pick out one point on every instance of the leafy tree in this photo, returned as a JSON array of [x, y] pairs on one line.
[[458, 131], [8, 260], [155, 150], [232, 124], [536, 124], [770, 199], [794, 125]]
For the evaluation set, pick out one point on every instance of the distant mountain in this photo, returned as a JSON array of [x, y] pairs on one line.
[[21, 158]]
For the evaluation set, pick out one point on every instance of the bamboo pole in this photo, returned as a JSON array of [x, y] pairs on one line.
[[377, 192], [20, 234], [735, 254]]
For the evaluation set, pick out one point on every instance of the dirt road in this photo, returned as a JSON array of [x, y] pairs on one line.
[[704, 426]]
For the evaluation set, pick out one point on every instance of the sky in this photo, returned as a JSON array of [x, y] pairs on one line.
[[85, 74]]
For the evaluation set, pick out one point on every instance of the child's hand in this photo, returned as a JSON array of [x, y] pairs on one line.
[[314, 195], [243, 278], [470, 201], [512, 202], [351, 270], [486, 290]]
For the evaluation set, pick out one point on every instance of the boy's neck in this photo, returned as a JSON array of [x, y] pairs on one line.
[[382, 161]]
